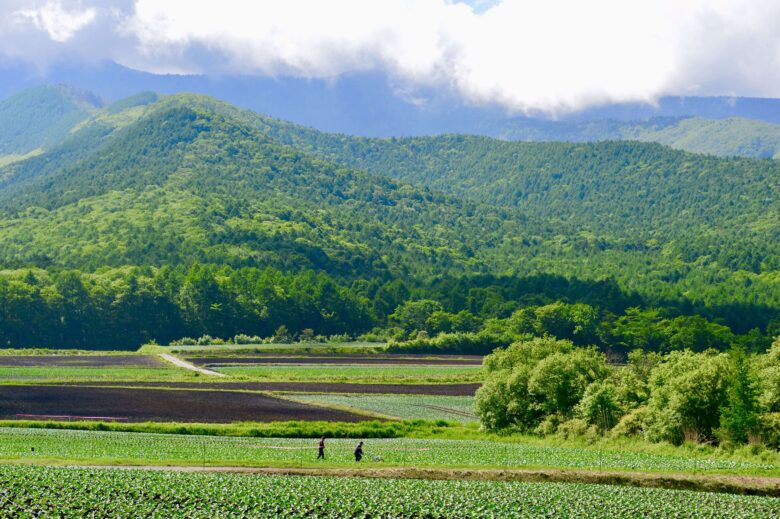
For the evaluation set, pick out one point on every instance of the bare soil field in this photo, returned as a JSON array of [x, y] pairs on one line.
[[309, 387], [142, 404], [80, 361], [418, 360]]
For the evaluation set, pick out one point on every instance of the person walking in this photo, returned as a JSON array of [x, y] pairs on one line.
[[359, 452], [321, 454]]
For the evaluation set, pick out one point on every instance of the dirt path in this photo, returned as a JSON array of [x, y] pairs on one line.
[[186, 365], [747, 485]]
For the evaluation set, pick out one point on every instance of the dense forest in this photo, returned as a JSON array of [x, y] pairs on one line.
[[162, 218], [128, 306]]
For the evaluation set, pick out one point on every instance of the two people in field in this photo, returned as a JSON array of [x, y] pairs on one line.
[[321, 450]]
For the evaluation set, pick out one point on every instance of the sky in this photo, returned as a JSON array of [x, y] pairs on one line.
[[527, 56]]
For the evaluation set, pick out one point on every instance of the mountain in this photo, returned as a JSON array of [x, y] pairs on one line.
[[736, 136], [180, 180], [368, 104], [157, 181], [41, 117]]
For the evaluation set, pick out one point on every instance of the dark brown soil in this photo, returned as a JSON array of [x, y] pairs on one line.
[[142, 404], [420, 360], [81, 361], [310, 387]]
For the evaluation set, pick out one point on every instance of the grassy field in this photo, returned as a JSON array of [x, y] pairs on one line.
[[15, 375], [405, 407], [27, 491], [349, 373], [47, 445]]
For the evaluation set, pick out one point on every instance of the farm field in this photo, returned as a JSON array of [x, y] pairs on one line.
[[142, 404], [308, 387], [133, 448], [82, 361], [296, 398], [102, 492], [405, 407], [341, 359], [62, 374], [351, 373]]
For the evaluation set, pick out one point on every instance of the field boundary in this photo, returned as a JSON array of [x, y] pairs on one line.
[[188, 365], [743, 485]]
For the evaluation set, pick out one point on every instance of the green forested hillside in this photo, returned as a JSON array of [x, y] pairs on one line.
[[221, 221], [41, 117], [726, 137], [734, 136], [184, 184]]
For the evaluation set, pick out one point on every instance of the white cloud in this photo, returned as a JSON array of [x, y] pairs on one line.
[[60, 24], [525, 55]]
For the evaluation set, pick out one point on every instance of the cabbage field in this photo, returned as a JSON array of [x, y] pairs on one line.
[[75, 492], [405, 407], [151, 448]]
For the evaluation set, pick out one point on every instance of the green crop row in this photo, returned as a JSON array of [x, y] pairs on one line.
[[406, 407], [150, 448], [95, 374], [69, 492], [411, 374]]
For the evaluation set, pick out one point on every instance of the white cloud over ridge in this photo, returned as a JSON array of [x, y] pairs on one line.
[[525, 55], [58, 22]]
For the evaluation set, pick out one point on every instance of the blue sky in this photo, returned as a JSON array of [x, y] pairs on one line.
[[524, 55]]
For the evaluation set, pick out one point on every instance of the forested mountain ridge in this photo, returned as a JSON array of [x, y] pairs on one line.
[[222, 194], [733, 136], [639, 195], [40, 118], [182, 184]]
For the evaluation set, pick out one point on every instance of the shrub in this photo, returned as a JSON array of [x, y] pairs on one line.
[[451, 343], [632, 423]]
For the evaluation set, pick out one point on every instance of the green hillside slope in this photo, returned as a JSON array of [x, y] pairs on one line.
[[727, 137], [179, 204], [41, 117], [184, 184], [734, 136]]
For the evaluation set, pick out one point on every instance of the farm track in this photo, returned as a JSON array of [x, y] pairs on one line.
[[189, 366], [303, 387], [746, 485], [150, 404]]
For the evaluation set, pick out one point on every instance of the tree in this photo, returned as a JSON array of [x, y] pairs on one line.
[[534, 378], [739, 419], [282, 335], [687, 392], [413, 315], [599, 405]]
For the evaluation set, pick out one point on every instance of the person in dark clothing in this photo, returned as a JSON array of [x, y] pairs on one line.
[[321, 454], [359, 451]]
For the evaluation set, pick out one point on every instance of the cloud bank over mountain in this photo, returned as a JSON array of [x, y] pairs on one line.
[[552, 56]]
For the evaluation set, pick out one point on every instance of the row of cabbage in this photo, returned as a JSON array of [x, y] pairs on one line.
[[149, 448], [406, 407], [70, 492]]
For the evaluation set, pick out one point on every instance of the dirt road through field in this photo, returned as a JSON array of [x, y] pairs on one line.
[[186, 365]]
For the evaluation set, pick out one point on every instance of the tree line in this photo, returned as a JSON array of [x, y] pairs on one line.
[[550, 386], [126, 307]]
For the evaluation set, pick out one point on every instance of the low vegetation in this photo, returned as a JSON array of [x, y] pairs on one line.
[[405, 407], [549, 386], [101, 492]]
